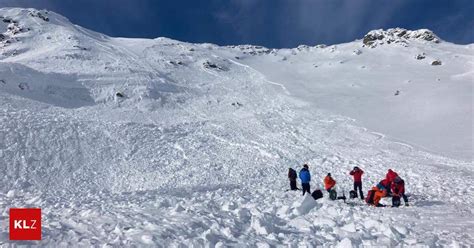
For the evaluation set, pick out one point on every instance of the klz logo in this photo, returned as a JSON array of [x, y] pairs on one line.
[[25, 224]]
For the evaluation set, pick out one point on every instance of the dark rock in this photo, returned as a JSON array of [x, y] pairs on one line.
[[23, 86], [81, 48], [119, 94], [402, 33], [420, 56], [209, 65], [175, 63], [436, 62], [369, 39], [427, 35], [237, 104], [397, 93], [40, 15]]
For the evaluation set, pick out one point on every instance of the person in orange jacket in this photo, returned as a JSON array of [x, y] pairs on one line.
[[378, 195], [380, 191], [329, 182]]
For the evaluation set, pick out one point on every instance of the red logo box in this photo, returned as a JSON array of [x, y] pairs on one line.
[[25, 224]]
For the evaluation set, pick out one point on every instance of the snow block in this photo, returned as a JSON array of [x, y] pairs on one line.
[[306, 205]]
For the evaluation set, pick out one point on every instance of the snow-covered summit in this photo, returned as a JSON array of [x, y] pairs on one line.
[[30, 19], [399, 36]]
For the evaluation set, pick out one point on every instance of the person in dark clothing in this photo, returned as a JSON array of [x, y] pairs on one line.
[[398, 189], [292, 177], [305, 178], [357, 174]]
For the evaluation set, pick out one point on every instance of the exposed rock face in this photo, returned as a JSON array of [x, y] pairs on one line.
[[13, 28], [254, 50], [43, 15], [420, 56], [398, 35], [210, 65], [436, 62]]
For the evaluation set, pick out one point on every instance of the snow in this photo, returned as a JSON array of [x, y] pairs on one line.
[[196, 151]]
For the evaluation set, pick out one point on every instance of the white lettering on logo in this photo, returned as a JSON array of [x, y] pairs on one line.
[[17, 224], [33, 224], [21, 224]]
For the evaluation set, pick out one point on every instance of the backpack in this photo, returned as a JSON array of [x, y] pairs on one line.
[[370, 197], [352, 194], [317, 194], [332, 195], [396, 201]]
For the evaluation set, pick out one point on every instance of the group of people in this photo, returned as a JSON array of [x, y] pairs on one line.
[[392, 185]]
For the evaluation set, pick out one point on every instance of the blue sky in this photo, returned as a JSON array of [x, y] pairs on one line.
[[271, 23]]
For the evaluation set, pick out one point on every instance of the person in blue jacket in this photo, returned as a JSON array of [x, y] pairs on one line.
[[305, 178]]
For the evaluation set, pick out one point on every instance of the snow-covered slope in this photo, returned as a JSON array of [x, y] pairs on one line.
[[160, 142], [388, 85]]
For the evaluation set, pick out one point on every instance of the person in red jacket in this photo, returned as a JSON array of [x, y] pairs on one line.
[[357, 174], [391, 175], [398, 189]]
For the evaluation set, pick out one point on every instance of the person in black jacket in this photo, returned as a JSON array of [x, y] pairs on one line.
[[292, 176]]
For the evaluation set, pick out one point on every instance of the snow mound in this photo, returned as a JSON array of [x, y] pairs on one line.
[[55, 89]]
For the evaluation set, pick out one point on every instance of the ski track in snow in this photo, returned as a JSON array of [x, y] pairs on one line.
[[263, 77], [196, 156]]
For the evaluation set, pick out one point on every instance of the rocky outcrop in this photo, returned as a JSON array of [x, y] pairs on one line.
[[43, 15], [210, 65], [254, 50], [436, 62], [12, 29], [399, 36], [420, 56]]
